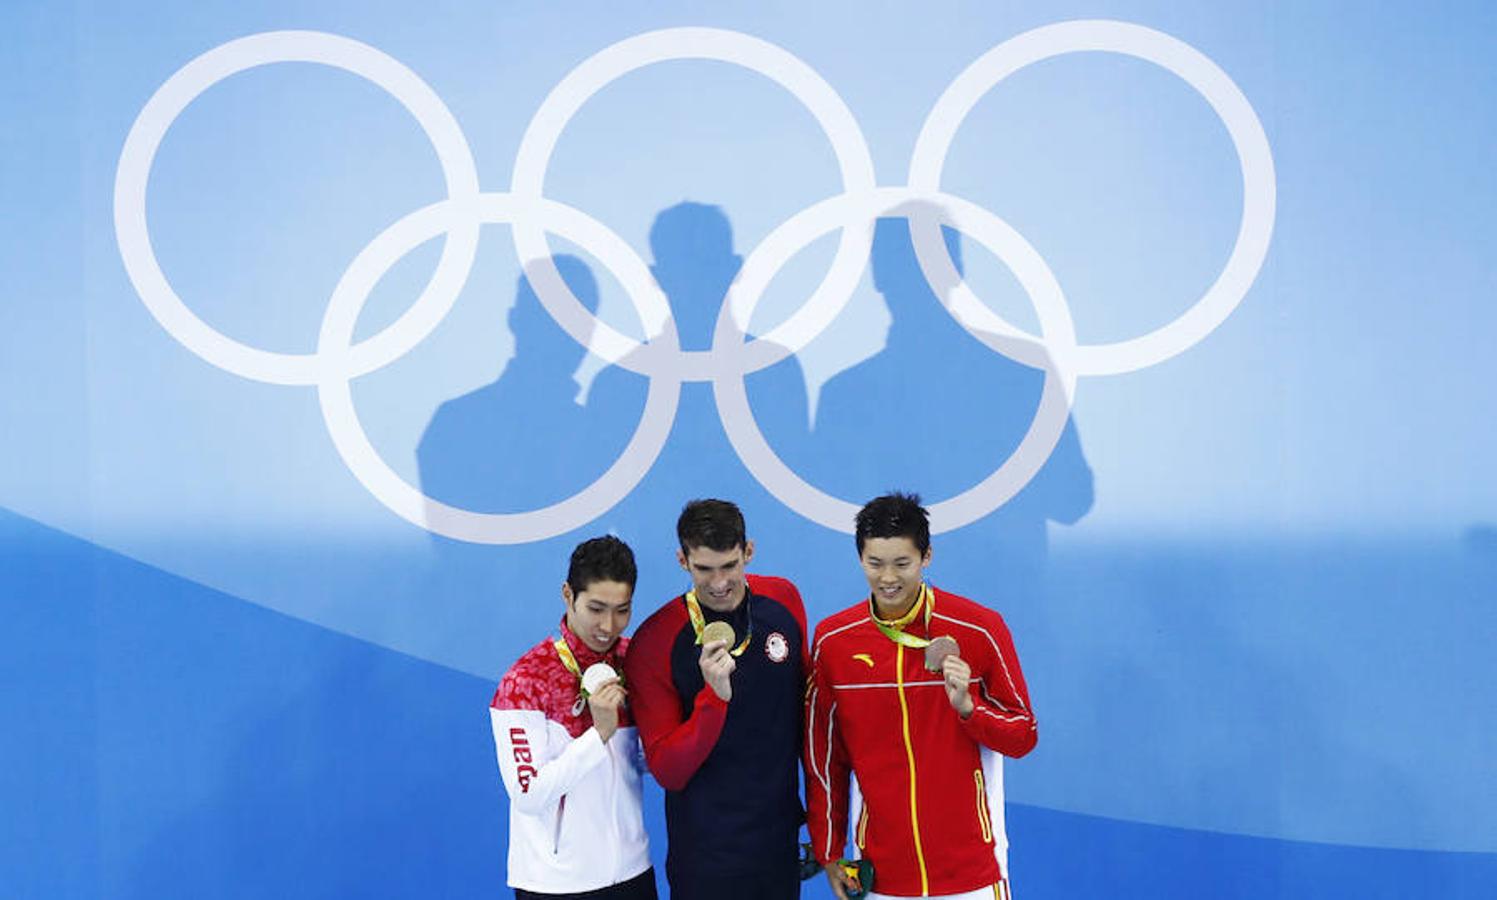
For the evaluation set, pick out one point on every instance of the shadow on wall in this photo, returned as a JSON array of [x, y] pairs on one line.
[[933, 411], [936, 411], [528, 439], [557, 417]]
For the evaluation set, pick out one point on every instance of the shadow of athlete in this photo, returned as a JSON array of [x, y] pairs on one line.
[[937, 411], [693, 261], [526, 440]]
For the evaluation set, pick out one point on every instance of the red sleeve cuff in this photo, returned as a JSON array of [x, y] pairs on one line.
[[707, 697]]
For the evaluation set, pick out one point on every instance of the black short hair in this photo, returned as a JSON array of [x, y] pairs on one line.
[[714, 524], [603, 558], [893, 515]]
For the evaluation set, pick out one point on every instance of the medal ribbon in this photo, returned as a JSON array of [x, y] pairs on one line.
[[570, 661], [894, 630], [567, 659], [699, 621]]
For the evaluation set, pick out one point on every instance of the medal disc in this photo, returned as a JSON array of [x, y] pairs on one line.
[[597, 675], [719, 631], [937, 651]]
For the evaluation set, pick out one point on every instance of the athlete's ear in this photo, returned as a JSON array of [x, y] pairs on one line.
[[925, 560], [681, 558], [566, 595], [748, 551]]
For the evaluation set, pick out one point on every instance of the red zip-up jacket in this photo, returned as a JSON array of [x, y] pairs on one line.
[[931, 816]]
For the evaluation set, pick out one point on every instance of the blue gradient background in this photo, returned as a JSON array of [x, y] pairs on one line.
[[1261, 657]]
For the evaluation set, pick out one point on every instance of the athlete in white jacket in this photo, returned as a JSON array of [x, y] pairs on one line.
[[570, 756]]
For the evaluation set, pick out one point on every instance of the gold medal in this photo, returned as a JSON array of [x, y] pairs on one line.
[[719, 631], [937, 650], [724, 631]]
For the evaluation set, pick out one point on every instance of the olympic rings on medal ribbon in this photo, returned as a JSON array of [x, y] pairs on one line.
[[338, 360]]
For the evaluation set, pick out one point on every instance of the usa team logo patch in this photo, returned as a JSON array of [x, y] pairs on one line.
[[776, 647]]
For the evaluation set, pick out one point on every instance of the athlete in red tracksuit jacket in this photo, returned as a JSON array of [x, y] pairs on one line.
[[920, 744]]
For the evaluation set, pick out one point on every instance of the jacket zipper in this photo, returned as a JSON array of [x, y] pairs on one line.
[[909, 753]]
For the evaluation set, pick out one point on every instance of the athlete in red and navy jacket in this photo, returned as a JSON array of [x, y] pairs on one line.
[[721, 723], [924, 747]]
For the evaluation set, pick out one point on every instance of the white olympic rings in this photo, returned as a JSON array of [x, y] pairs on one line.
[[854, 160], [338, 360], [1227, 101], [133, 234]]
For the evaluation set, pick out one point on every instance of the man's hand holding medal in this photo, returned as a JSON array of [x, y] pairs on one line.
[[943, 655], [716, 662], [605, 694]]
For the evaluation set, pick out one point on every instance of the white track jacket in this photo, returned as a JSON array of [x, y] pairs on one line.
[[575, 821]]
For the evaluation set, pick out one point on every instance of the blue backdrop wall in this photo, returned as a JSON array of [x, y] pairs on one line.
[[330, 329]]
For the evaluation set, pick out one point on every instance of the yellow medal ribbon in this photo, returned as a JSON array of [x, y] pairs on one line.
[[699, 621], [567, 659], [570, 661], [894, 630]]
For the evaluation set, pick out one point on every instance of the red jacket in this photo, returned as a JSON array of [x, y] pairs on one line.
[[931, 816]]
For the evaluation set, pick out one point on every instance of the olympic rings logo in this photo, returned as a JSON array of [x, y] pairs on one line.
[[338, 359]]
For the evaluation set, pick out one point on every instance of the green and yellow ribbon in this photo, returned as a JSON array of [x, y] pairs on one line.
[[570, 661], [894, 630], [567, 659], [699, 621]]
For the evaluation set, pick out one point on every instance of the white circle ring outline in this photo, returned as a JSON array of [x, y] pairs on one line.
[[1033, 275], [335, 391], [1198, 71], [132, 231], [854, 160]]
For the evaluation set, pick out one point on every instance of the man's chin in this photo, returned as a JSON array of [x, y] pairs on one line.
[[720, 604]]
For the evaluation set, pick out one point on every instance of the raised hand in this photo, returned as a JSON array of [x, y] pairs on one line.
[[604, 704], [958, 691], [717, 665]]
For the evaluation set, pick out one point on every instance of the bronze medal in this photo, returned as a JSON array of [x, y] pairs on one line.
[[937, 650]]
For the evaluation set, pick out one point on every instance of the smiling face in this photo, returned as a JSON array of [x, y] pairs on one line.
[[717, 576], [598, 614], [895, 568]]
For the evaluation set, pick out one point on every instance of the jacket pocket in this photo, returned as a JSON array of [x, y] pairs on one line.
[[561, 811], [984, 822]]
